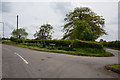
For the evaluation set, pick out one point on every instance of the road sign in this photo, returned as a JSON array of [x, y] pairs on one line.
[[44, 37]]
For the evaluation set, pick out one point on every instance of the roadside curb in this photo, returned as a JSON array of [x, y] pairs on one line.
[[112, 69]]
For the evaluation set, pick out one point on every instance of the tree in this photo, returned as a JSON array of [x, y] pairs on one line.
[[90, 19], [82, 31], [101, 40], [45, 30], [22, 34]]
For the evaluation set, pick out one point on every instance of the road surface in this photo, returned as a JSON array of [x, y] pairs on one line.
[[25, 63]]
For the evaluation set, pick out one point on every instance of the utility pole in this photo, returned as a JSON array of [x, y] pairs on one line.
[[17, 26], [3, 28]]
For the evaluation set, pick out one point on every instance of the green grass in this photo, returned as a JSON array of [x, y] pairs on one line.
[[115, 66], [64, 50]]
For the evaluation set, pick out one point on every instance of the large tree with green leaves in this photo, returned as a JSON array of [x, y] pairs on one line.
[[82, 31], [22, 34], [45, 30], [83, 19]]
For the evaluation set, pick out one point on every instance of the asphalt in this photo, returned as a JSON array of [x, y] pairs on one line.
[[25, 63]]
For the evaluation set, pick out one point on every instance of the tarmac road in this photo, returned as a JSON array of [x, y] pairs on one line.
[[25, 63]]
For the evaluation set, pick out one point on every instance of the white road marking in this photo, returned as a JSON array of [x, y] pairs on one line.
[[22, 58]]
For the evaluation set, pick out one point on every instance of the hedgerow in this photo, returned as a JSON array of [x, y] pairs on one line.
[[114, 44], [86, 44], [65, 43], [16, 40]]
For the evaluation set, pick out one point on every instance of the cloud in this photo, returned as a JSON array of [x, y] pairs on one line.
[[33, 14], [119, 20], [62, 7], [5, 7]]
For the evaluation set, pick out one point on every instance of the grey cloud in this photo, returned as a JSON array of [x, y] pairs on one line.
[[5, 7], [9, 26], [119, 20], [62, 8]]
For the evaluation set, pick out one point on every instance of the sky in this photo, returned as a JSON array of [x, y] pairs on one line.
[[33, 14]]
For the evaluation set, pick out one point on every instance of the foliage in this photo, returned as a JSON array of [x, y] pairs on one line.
[[22, 34], [82, 31], [13, 39], [74, 51], [113, 67], [86, 44], [45, 30], [74, 43], [32, 44], [116, 66], [101, 40], [81, 18], [16, 40], [5, 38], [112, 44], [88, 35]]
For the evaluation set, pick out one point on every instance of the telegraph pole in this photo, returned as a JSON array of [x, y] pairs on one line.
[[17, 26]]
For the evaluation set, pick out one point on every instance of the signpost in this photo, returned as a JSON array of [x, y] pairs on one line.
[[44, 37]]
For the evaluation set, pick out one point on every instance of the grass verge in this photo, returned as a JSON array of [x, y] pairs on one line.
[[114, 68], [74, 51]]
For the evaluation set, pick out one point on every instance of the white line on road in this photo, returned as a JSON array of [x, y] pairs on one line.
[[22, 58]]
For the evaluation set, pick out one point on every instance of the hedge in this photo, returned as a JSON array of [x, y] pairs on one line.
[[16, 40], [65, 43], [86, 44], [114, 44]]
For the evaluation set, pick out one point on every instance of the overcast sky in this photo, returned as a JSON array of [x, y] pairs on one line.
[[33, 14]]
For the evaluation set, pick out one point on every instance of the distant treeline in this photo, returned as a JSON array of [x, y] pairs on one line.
[[112, 44]]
